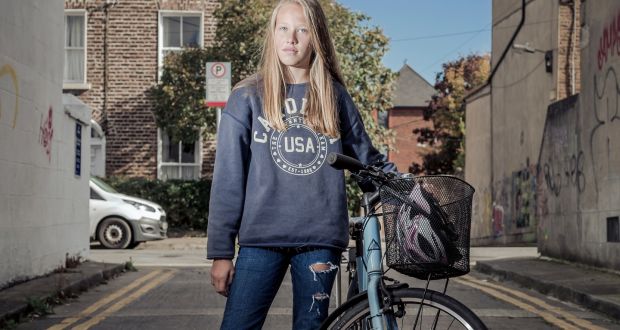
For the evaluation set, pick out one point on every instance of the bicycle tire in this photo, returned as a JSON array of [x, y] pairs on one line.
[[452, 313]]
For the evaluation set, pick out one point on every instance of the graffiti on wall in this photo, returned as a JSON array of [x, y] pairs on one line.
[[518, 201], [524, 196], [609, 42], [606, 115], [565, 172], [498, 220], [7, 70], [46, 133]]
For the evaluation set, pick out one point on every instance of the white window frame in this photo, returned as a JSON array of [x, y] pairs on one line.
[[160, 31], [83, 84], [180, 165], [160, 64]]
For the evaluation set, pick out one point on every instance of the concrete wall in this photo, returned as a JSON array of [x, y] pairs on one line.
[[478, 157], [43, 205], [521, 92], [580, 157]]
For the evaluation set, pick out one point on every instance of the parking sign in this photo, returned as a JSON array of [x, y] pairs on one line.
[[218, 83]]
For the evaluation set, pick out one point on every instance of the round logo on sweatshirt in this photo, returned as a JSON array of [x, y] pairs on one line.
[[299, 150]]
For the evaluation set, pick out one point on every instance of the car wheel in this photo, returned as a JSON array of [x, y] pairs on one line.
[[114, 233]]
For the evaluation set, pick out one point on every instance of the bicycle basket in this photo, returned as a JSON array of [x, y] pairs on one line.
[[427, 222]]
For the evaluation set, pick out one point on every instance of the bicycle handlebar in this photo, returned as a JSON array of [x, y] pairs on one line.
[[343, 162], [363, 173]]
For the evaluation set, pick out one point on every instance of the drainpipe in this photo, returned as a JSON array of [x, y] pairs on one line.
[[105, 8], [514, 36], [104, 110]]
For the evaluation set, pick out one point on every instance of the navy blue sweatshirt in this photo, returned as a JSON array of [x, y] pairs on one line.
[[274, 188]]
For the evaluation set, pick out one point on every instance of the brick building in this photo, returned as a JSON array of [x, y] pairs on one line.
[[411, 97], [113, 55]]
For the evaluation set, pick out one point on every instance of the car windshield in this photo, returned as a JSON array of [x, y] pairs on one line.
[[106, 187]]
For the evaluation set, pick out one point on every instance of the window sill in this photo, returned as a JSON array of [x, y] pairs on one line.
[[76, 86]]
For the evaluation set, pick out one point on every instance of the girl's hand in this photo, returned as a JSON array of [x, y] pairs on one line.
[[222, 273]]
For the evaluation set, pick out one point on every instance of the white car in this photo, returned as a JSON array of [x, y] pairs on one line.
[[119, 221]]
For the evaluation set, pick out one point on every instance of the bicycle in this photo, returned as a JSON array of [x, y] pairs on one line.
[[427, 221]]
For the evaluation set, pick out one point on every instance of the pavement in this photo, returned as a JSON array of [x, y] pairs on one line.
[[592, 288], [16, 300]]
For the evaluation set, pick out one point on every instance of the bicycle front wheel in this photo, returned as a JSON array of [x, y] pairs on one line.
[[410, 311]]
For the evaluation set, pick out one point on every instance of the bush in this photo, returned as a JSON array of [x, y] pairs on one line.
[[186, 202]]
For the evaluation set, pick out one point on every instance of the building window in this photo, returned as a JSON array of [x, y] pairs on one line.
[[178, 30], [178, 160], [75, 49]]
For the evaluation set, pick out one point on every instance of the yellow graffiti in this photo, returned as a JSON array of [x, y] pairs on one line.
[[7, 69]]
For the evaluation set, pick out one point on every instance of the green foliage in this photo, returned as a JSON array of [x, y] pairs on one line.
[[359, 48], [186, 202], [447, 113], [129, 266], [39, 307], [179, 98], [239, 35]]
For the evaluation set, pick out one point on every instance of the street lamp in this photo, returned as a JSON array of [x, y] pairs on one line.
[[530, 49]]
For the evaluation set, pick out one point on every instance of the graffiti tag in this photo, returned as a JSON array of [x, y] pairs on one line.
[[566, 173], [8, 70], [46, 133], [609, 43]]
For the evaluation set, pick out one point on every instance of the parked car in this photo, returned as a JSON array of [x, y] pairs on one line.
[[120, 221]]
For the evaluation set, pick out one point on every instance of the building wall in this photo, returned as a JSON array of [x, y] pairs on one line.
[[580, 156], [403, 121], [131, 132], [43, 205], [507, 181], [521, 90], [478, 165]]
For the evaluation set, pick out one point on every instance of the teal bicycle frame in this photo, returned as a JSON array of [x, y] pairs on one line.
[[369, 266]]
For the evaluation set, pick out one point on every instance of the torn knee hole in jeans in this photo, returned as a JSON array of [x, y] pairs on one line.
[[322, 267], [319, 296]]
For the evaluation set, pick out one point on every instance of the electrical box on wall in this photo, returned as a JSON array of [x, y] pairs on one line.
[[549, 61]]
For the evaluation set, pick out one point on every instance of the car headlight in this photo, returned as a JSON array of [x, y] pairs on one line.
[[139, 206]]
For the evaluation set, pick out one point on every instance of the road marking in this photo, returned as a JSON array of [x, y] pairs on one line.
[[104, 301], [568, 316], [546, 316], [125, 301]]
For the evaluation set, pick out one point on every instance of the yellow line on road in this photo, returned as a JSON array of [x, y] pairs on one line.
[[546, 316], [125, 301], [567, 315], [102, 302]]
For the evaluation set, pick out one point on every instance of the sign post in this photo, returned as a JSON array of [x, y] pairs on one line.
[[218, 86]]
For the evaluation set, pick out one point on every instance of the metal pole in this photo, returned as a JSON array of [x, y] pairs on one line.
[[218, 116], [339, 286]]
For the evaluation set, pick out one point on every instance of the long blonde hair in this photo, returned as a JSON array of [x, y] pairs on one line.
[[321, 112]]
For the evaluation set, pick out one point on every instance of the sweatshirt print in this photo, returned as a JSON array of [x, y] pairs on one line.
[[273, 188]]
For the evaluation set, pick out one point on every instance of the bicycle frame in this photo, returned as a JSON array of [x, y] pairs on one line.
[[369, 259]]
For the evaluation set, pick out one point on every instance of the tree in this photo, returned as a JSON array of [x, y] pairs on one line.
[[179, 98], [446, 112], [359, 48]]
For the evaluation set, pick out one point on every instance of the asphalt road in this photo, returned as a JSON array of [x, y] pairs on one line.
[[171, 290]]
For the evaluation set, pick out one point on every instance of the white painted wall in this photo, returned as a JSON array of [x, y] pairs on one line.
[[43, 205]]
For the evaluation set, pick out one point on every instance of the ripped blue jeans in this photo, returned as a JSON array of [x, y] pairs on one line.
[[258, 275]]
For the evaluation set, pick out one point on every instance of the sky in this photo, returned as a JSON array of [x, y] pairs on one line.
[[428, 33]]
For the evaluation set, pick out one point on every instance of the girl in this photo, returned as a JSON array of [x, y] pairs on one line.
[[271, 186]]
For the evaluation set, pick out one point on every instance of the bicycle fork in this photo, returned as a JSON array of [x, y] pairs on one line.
[[373, 263], [372, 258]]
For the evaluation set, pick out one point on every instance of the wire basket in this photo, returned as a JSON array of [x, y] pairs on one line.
[[427, 224]]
